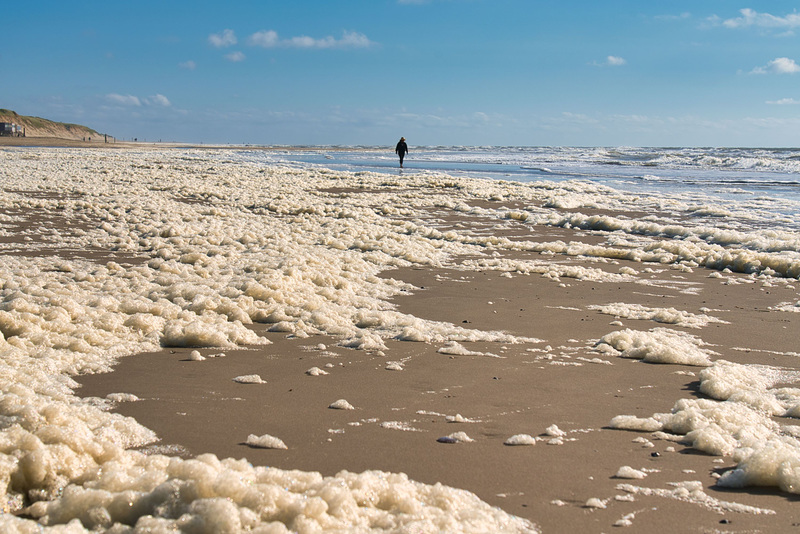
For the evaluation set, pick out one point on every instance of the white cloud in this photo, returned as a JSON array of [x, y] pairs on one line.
[[354, 40], [222, 40], [188, 65], [270, 39], [125, 100], [751, 17], [264, 38], [159, 100], [780, 65], [784, 102], [235, 57]]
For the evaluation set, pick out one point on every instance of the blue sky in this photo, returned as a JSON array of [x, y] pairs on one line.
[[439, 72]]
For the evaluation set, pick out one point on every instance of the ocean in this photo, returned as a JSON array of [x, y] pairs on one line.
[[112, 252]]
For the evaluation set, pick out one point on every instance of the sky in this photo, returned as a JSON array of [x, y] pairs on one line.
[[439, 72]]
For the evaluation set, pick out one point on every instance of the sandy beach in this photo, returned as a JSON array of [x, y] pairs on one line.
[[552, 376], [514, 391]]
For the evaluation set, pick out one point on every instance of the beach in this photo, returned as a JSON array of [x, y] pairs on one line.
[[574, 358]]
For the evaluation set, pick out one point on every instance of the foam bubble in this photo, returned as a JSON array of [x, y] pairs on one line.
[[122, 397], [341, 404], [456, 437], [520, 439], [265, 442], [627, 471], [249, 379], [660, 345]]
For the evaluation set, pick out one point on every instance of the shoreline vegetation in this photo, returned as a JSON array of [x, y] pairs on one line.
[[446, 412], [37, 127]]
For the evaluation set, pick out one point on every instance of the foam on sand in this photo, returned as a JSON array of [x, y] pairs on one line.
[[341, 404], [737, 422], [209, 256], [659, 315], [659, 345], [189, 248], [520, 439], [249, 379], [265, 442]]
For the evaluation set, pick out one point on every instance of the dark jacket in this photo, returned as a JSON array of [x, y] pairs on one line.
[[401, 148]]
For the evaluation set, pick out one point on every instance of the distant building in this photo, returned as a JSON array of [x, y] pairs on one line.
[[9, 129]]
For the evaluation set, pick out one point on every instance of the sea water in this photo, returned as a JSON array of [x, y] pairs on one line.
[[226, 238]]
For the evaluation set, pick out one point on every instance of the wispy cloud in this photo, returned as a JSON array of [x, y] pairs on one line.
[[222, 40], [270, 39], [784, 102], [780, 65], [610, 61], [135, 101], [235, 57], [683, 16], [158, 100], [124, 100], [188, 65], [752, 18]]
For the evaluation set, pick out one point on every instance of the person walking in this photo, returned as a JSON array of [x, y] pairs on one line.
[[401, 149]]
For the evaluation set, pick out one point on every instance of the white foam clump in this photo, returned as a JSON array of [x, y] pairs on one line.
[[208, 495], [403, 426], [249, 379], [122, 397], [594, 502], [265, 442], [456, 437], [660, 345], [554, 431], [195, 356], [631, 422], [316, 371], [457, 349], [341, 404], [737, 421], [627, 471], [626, 520], [659, 315], [394, 366], [458, 418], [793, 307], [692, 491], [520, 439]]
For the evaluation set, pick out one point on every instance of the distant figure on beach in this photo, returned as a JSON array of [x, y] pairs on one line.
[[401, 149]]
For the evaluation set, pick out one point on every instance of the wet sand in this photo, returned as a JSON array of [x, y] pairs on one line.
[[196, 407]]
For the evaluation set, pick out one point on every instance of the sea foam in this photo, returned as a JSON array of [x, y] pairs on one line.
[[197, 245]]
